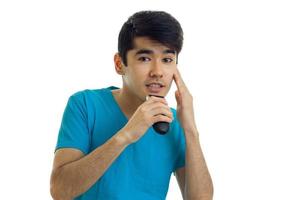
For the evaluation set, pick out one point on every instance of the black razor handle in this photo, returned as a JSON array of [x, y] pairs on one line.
[[161, 127]]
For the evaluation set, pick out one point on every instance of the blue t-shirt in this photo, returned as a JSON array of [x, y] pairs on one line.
[[143, 169]]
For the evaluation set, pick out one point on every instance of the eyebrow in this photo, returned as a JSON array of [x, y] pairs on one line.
[[148, 51]]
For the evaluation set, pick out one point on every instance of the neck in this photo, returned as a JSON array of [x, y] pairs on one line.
[[127, 101]]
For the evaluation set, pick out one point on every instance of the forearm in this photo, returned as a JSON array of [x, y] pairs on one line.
[[197, 178], [77, 177]]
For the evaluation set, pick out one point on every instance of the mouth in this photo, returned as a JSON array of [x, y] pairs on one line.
[[154, 87]]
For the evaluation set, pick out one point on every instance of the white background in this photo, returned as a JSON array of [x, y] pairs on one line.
[[240, 60]]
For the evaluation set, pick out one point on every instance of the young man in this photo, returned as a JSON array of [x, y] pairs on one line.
[[107, 148]]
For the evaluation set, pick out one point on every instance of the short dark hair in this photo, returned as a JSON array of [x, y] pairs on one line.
[[157, 25]]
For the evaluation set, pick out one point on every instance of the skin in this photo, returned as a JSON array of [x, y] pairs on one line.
[[194, 179], [140, 70], [74, 173]]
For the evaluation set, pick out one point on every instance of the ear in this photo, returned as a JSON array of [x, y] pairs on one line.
[[119, 66]]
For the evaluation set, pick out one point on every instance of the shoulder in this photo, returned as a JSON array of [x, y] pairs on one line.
[[86, 95], [83, 99]]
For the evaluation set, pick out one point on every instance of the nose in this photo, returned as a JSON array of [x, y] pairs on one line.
[[156, 70]]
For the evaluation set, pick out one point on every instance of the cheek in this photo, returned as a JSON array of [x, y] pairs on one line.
[[171, 73], [138, 78], [141, 75], [168, 80]]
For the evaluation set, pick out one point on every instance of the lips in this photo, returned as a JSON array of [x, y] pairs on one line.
[[155, 84], [154, 88]]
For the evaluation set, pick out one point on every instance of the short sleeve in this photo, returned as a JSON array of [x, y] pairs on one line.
[[73, 132], [180, 161]]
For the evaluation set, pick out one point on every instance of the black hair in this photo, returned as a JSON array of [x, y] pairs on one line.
[[156, 25]]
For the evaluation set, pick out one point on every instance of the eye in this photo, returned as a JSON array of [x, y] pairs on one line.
[[144, 59], [168, 60]]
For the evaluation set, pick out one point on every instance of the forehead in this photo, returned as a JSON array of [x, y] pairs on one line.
[[146, 43]]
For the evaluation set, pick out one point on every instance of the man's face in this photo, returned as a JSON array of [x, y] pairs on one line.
[[149, 62]]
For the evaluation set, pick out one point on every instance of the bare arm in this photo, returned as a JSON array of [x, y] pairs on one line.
[[198, 183], [194, 180], [73, 173]]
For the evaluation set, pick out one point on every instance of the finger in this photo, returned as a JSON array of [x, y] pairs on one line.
[[163, 118], [181, 86], [161, 111], [179, 81], [152, 95], [157, 99], [156, 96], [153, 105]]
